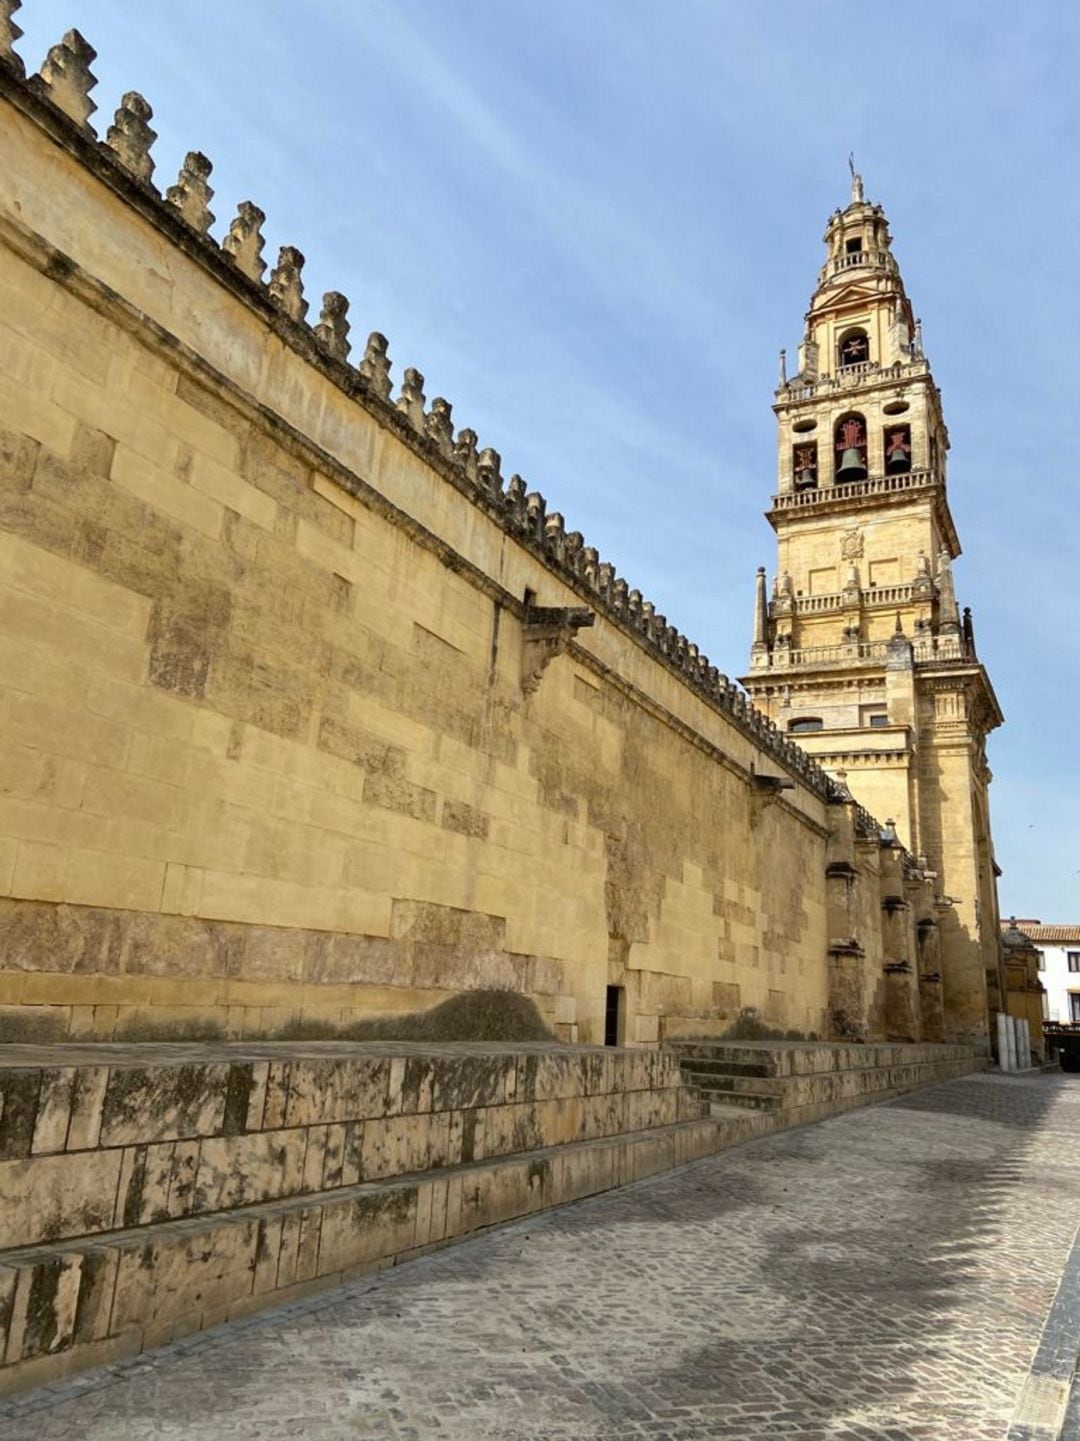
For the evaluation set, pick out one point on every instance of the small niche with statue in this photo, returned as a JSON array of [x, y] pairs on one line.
[[897, 449], [804, 465]]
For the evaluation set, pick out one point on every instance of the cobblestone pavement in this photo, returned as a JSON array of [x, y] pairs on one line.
[[883, 1276]]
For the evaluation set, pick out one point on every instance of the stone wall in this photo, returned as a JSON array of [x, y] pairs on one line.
[[149, 1192], [305, 712]]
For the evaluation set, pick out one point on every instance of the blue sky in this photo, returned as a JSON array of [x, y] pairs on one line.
[[592, 226]]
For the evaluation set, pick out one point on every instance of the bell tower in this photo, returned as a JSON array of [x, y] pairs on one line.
[[861, 652]]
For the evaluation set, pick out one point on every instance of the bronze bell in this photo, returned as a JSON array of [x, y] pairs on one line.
[[805, 479], [851, 466], [899, 458]]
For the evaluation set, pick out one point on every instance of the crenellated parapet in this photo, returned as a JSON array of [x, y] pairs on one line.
[[59, 98]]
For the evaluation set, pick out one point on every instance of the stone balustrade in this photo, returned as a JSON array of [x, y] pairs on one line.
[[854, 490]]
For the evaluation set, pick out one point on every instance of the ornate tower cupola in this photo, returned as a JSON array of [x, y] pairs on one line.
[[860, 649]]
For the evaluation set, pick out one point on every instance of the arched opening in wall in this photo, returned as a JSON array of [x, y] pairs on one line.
[[852, 348], [802, 724], [804, 465], [897, 449], [850, 448]]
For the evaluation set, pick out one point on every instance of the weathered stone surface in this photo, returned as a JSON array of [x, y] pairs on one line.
[[131, 138], [271, 756], [321, 1091], [191, 194], [163, 1103], [48, 1198]]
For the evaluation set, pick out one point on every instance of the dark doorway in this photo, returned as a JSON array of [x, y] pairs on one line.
[[613, 1015]]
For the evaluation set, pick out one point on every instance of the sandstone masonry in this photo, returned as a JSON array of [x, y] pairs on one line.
[[308, 712]]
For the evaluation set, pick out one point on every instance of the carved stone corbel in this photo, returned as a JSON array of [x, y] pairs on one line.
[[764, 791], [548, 630]]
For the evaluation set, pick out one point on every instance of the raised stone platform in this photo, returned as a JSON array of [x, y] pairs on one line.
[[150, 1191], [804, 1081]]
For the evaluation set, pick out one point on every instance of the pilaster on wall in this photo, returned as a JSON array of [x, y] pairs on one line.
[[848, 1018], [898, 960]]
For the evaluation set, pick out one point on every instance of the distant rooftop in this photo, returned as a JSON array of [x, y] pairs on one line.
[[1035, 931]]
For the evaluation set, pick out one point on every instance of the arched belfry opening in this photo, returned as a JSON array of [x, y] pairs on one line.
[[852, 348], [850, 448], [897, 449], [804, 464]]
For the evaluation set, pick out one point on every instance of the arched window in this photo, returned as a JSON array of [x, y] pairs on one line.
[[804, 464], [853, 348], [849, 441], [806, 723], [897, 448]]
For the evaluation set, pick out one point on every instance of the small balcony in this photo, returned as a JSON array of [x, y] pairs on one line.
[[854, 490]]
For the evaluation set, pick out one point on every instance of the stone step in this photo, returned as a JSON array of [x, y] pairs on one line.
[[803, 1058], [765, 1062], [93, 1299], [740, 1099], [704, 1064], [724, 1081]]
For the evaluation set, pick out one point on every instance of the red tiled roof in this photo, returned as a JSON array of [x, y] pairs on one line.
[[1050, 934]]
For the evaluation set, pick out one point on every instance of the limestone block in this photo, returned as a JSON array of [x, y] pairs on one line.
[[260, 1075], [181, 1274], [242, 1170], [267, 1250], [367, 1227], [559, 1075], [314, 1157], [96, 1285], [565, 1010], [399, 1144], [277, 1095], [467, 1082], [583, 1173], [43, 1309], [155, 1103], [51, 1196], [412, 1085], [53, 1111], [308, 1242], [145, 1180], [88, 1098], [352, 1152], [288, 1249], [603, 1115], [183, 1176], [321, 1091]]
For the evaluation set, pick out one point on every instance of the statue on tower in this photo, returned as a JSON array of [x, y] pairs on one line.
[[856, 181]]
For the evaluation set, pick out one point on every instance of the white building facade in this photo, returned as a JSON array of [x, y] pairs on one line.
[[1059, 968]]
